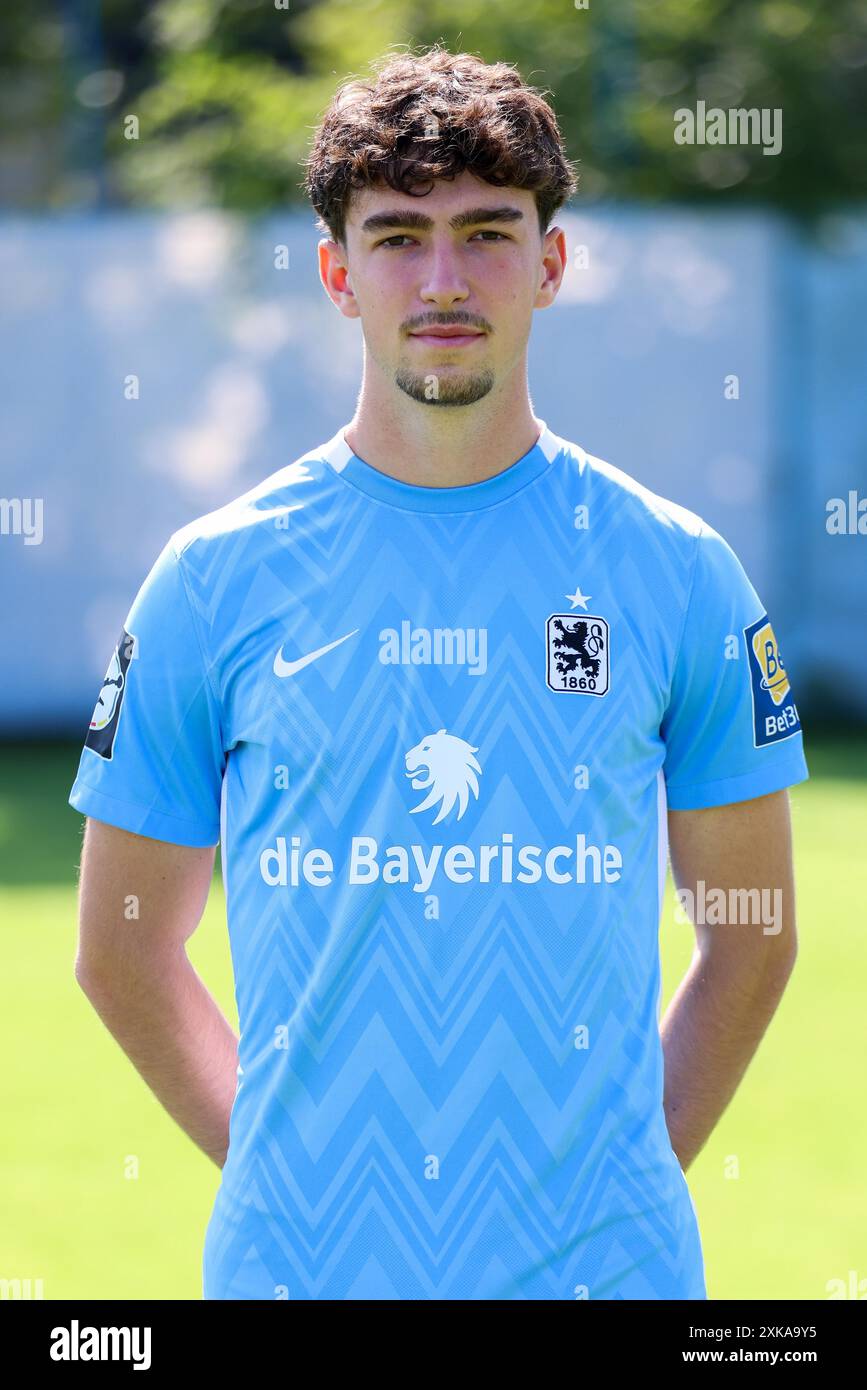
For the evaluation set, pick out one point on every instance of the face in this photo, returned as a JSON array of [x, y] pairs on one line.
[[445, 284]]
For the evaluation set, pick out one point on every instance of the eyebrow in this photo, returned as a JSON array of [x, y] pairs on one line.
[[411, 217]]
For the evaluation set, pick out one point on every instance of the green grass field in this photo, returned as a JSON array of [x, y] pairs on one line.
[[105, 1197]]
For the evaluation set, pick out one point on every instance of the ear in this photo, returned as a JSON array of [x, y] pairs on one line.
[[552, 268], [334, 274]]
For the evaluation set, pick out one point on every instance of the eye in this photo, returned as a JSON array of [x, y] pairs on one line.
[[398, 236], [489, 232]]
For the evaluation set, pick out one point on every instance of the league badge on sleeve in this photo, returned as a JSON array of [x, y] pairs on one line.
[[106, 715], [775, 715], [578, 656]]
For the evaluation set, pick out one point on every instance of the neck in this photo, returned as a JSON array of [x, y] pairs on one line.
[[441, 446]]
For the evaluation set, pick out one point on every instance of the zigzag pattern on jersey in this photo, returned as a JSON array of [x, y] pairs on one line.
[[452, 1038]]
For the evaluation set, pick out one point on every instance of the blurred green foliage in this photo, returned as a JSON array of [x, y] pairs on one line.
[[228, 92]]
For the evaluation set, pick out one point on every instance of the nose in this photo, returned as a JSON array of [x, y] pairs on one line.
[[443, 284]]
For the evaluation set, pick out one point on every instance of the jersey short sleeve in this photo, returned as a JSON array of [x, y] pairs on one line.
[[153, 758], [731, 728]]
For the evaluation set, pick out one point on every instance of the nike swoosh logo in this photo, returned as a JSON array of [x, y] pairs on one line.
[[288, 668]]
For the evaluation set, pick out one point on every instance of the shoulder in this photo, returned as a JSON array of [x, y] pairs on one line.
[[634, 504], [632, 521], [287, 502]]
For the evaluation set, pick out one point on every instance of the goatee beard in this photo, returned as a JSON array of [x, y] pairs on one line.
[[464, 390]]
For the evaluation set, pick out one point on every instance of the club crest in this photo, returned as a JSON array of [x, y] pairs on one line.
[[578, 654]]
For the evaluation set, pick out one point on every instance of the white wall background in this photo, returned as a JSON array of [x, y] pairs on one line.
[[242, 367]]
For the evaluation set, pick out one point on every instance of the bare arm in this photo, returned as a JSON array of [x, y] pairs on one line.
[[741, 964], [139, 901]]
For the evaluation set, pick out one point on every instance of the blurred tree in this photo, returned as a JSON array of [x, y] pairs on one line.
[[227, 92]]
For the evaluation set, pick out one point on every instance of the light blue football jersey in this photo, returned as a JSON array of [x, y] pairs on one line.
[[435, 731]]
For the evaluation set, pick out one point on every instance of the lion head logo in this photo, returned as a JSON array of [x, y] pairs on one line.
[[451, 772]]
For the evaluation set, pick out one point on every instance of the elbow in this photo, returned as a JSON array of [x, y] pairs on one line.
[[91, 974], [83, 973], [778, 969]]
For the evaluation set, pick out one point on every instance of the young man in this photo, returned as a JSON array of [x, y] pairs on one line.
[[443, 688]]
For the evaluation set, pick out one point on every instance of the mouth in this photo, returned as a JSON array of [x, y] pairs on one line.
[[448, 337]]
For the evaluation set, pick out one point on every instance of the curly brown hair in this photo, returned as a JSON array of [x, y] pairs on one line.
[[431, 116]]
